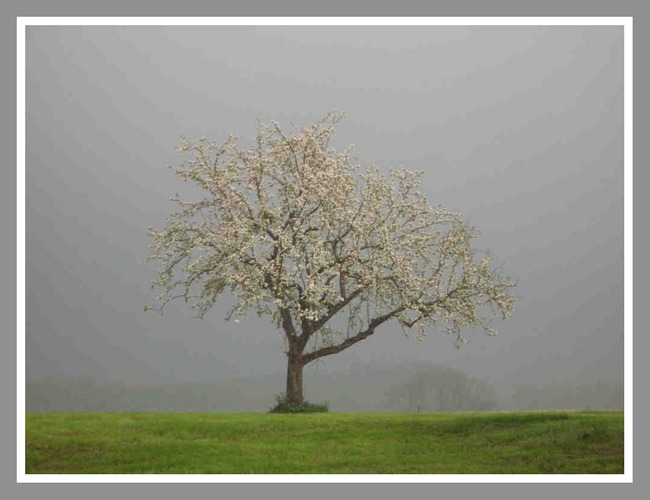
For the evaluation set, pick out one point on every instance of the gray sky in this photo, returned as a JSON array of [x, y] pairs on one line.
[[519, 128]]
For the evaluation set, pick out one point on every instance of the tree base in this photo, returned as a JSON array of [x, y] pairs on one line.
[[283, 405]]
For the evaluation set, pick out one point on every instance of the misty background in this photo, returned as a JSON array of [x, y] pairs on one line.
[[519, 128]]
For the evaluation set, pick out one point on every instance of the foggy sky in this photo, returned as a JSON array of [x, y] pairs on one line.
[[519, 128]]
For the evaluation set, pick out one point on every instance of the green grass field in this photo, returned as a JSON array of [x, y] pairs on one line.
[[325, 443]]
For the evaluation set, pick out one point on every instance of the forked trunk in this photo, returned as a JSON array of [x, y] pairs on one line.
[[294, 392]]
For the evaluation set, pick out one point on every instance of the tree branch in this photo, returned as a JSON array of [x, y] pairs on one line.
[[287, 324], [326, 351], [335, 309]]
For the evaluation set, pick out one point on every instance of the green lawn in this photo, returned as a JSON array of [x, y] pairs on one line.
[[325, 443]]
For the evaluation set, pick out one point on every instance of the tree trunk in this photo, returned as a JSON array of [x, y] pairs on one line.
[[294, 392]]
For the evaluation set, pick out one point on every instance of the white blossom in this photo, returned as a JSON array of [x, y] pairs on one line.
[[329, 249]]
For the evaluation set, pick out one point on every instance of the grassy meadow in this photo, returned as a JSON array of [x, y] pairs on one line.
[[326, 443]]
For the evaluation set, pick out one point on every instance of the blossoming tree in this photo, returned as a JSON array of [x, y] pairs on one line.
[[331, 251]]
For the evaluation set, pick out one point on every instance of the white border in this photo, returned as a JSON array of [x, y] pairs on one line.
[[325, 21], [628, 150], [20, 248], [23, 22], [324, 478]]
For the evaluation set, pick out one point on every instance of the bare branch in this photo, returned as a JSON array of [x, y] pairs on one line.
[[349, 342]]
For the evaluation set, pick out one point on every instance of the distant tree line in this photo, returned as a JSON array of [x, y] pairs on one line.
[[411, 387], [441, 389]]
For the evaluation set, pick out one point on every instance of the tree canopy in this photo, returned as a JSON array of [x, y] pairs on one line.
[[327, 248]]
